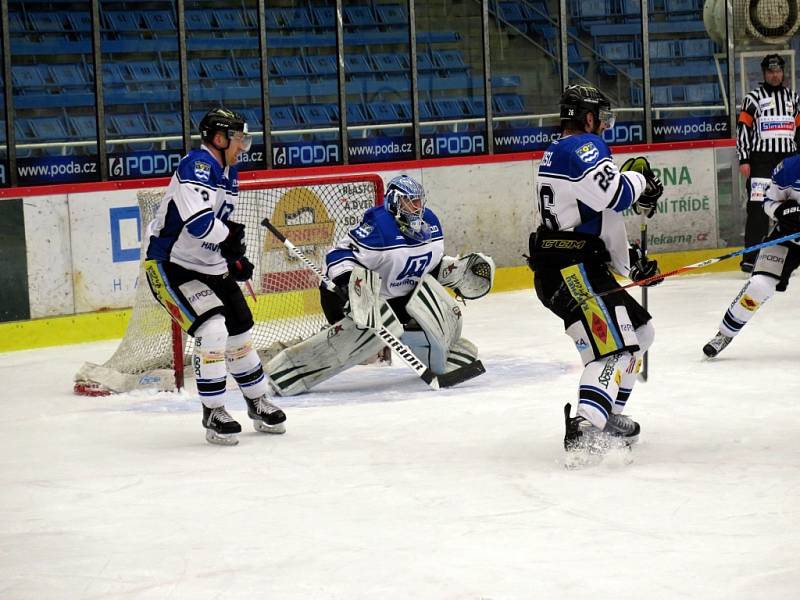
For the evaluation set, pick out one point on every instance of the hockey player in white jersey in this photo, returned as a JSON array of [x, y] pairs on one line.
[[195, 256], [399, 249], [581, 195], [774, 264]]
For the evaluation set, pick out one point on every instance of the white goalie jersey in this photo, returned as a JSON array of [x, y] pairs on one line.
[[581, 189]]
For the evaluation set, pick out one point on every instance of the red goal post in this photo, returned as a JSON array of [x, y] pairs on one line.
[[314, 213]]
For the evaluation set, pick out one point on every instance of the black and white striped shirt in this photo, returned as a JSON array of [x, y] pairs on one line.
[[768, 122]]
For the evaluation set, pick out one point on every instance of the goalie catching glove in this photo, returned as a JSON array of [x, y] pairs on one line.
[[647, 202], [642, 267], [471, 276]]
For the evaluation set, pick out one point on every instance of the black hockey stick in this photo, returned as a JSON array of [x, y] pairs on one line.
[[404, 352], [643, 246]]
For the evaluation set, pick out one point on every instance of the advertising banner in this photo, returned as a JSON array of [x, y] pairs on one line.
[[106, 261], [453, 144], [380, 149], [690, 128], [687, 212], [56, 169], [303, 154], [151, 163]]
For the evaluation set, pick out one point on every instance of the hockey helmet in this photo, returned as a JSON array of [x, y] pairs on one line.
[[405, 200], [230, 123], [579, 100], [773, 62]]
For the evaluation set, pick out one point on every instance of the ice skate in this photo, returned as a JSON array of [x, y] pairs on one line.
[[267, 418], [716, 345], [221, 428], [586, 445], [622, 426]]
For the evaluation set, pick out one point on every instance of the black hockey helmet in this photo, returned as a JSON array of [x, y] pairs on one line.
[[579, 100], [226, 121], [773, 62]]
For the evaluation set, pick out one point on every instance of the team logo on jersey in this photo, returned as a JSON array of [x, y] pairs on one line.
[[202, 170], [363, 230], [588, 152], [415, 266]]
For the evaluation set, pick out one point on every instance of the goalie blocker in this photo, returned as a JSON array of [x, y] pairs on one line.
[[433, 331]]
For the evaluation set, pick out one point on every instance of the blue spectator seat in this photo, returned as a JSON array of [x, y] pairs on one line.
[[174, 74], [250, 67], [47, 129], [357, 64], [702, 93], [382, 112], [663, 49], [296, 18], [322, 65], [449, 108], [450, 60], [167, 123], [142, 72], [536, 12], [476, 107], [288, 66], [68, 75], [324, 17], [512, 12], [124, 21], [424, 62], [195, 117], [29, 76], [159, 20], [590, 9], [282, 117], [508, 104], [274, 18], [696, 48], [218, 68], [251, 18], [229, 19], [84, 127], [390, 63], [676, 8], [16, 24], [355, 113], [315, 114], [80, 21], [662, 95], [112, 74], [359, 16], [48, 22], [617, 52], [391, 14], [198, 20], [404, 109], [130, 126]]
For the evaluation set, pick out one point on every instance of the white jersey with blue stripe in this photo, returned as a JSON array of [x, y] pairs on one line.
[[580, 189], [378, 245], [785, 186], [189, 223]]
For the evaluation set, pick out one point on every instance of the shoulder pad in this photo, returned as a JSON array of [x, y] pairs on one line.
[[199, 167], [590, 149], [376, 226]]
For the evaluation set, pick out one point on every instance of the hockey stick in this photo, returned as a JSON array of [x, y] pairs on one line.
[[248, 285], [643, 246], [698, 265], [446, 380]]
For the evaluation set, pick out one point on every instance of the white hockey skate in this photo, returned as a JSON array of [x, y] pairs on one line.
[[716, 345], [221, 427], [267, 418]]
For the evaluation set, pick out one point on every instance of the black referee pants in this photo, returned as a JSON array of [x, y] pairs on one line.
[[757, 222]]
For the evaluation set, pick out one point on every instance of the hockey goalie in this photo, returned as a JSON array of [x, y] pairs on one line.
[[390, 271]]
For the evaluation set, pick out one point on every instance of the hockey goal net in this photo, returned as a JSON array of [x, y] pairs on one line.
[[314, 213]]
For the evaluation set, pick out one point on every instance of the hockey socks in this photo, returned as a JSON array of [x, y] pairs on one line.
[[757, 290]]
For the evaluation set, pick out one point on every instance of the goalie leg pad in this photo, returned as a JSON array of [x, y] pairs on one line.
[[439, 317], [299, 368], [364, 290], [462, 353]]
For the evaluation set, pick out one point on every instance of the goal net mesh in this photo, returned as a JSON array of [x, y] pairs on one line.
[[312, 213]]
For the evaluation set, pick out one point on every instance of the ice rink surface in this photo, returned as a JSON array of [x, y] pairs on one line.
[[382, 489]]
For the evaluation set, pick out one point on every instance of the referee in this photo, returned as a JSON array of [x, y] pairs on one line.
[[767, 132]]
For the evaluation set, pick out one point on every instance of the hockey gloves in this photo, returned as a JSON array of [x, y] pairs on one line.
[[642, 267], [647, 202], [233, 247], [788, 216], [241, 270]]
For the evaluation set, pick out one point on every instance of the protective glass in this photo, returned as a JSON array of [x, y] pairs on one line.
[[607, 118]]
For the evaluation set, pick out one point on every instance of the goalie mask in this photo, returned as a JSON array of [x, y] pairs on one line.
[[405, 200], [231, 124]]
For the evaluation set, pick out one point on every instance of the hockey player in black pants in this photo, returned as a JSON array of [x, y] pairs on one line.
[[767, 132], [774, 264], [581, 195]]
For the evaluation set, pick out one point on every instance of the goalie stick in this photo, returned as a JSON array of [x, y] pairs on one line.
[[434, 381]]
